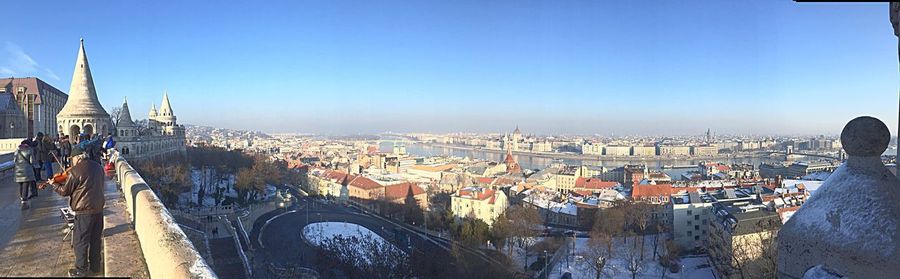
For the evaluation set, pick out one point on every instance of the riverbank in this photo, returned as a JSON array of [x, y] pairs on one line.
[[556, 155]]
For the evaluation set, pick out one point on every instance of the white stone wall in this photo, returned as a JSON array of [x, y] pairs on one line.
[[167, 250]]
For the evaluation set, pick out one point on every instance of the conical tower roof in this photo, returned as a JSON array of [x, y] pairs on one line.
[[165, 108], [153, 112], [125, 116], [82, 100]]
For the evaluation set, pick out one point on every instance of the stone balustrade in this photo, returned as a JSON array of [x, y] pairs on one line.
[[166, 248], [848, 227]]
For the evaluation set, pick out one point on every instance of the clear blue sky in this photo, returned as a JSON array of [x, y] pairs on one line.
[[623, 67]]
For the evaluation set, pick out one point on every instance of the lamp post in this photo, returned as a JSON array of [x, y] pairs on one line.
[[546, 262]]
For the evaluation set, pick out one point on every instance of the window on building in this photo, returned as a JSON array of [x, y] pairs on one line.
[[696, 237], [696, 227], [696, 217], [690, 233], [690, 223], [689, 212]]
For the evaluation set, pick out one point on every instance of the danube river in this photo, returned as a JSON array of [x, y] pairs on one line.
[[535, 162]]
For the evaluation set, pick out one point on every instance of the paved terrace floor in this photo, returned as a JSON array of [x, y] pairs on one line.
[[31, 240]]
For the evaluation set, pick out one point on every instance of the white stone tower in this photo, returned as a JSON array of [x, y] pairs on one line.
[[126, 127], [151, 119], [83, 112], [166, 117]]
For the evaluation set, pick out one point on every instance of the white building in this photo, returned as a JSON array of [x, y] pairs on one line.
[[480, 203], [691, 214], [617, 150]]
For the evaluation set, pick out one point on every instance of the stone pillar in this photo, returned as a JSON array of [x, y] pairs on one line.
[[849, 225]]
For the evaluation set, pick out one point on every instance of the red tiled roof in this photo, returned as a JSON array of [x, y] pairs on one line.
[[504, 181], [640, 191], [484, 180], [399, 191], [334, 175], [482, 195], [594, 183], [583, 193], [364, 183]]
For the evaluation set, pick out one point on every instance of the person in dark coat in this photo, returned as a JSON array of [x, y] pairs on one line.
[[33, 143], [84, 187], [47, 152], [65, 148], [24, 171]]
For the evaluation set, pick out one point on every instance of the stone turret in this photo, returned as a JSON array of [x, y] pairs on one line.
[[126, 127], [83, 112], [166, 117], [849, 225]]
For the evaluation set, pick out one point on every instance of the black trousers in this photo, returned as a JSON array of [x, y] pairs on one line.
[[87, 238], [25, 190]]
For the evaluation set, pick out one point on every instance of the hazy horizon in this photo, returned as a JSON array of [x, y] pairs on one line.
[[358, 67]]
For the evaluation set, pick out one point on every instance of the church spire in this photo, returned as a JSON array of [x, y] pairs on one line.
[[82, 94]]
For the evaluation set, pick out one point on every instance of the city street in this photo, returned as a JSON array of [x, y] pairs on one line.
[[276, 236]]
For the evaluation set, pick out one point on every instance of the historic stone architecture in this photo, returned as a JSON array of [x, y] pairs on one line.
[[83, 113], [849, 226], [39, 102], [162, 135]]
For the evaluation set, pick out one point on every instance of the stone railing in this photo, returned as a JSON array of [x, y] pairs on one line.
[[848, 227], [167, 250], [10, 145]]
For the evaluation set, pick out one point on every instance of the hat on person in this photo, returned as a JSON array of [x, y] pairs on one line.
[[77, 150]]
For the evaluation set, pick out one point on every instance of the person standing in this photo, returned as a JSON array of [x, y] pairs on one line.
[[84, 187], [24, 171], [110, 143], [47, 151], [65, 147], [37, 162]]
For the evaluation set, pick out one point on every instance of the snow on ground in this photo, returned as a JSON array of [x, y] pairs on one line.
[[518, 254], [579, 265], [315, 233]]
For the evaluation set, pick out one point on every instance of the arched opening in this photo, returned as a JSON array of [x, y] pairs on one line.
[[89, 130], [74, 131]]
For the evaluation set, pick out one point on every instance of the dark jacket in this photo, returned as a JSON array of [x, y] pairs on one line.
[[84, 188], [65, 148], [24, 159], [44, 150]]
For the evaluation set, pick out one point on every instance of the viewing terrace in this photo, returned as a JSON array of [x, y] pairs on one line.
[[140, 239]]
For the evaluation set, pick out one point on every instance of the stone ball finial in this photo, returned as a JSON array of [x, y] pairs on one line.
[[865, 136]]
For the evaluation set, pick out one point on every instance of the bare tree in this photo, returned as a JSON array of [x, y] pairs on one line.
[[641, 221], [599, 251], [115, 115], [750, 255], [524, 220], [634, 266], [142, 126]]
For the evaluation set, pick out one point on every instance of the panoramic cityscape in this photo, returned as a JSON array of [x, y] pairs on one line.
[[501, 139]]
